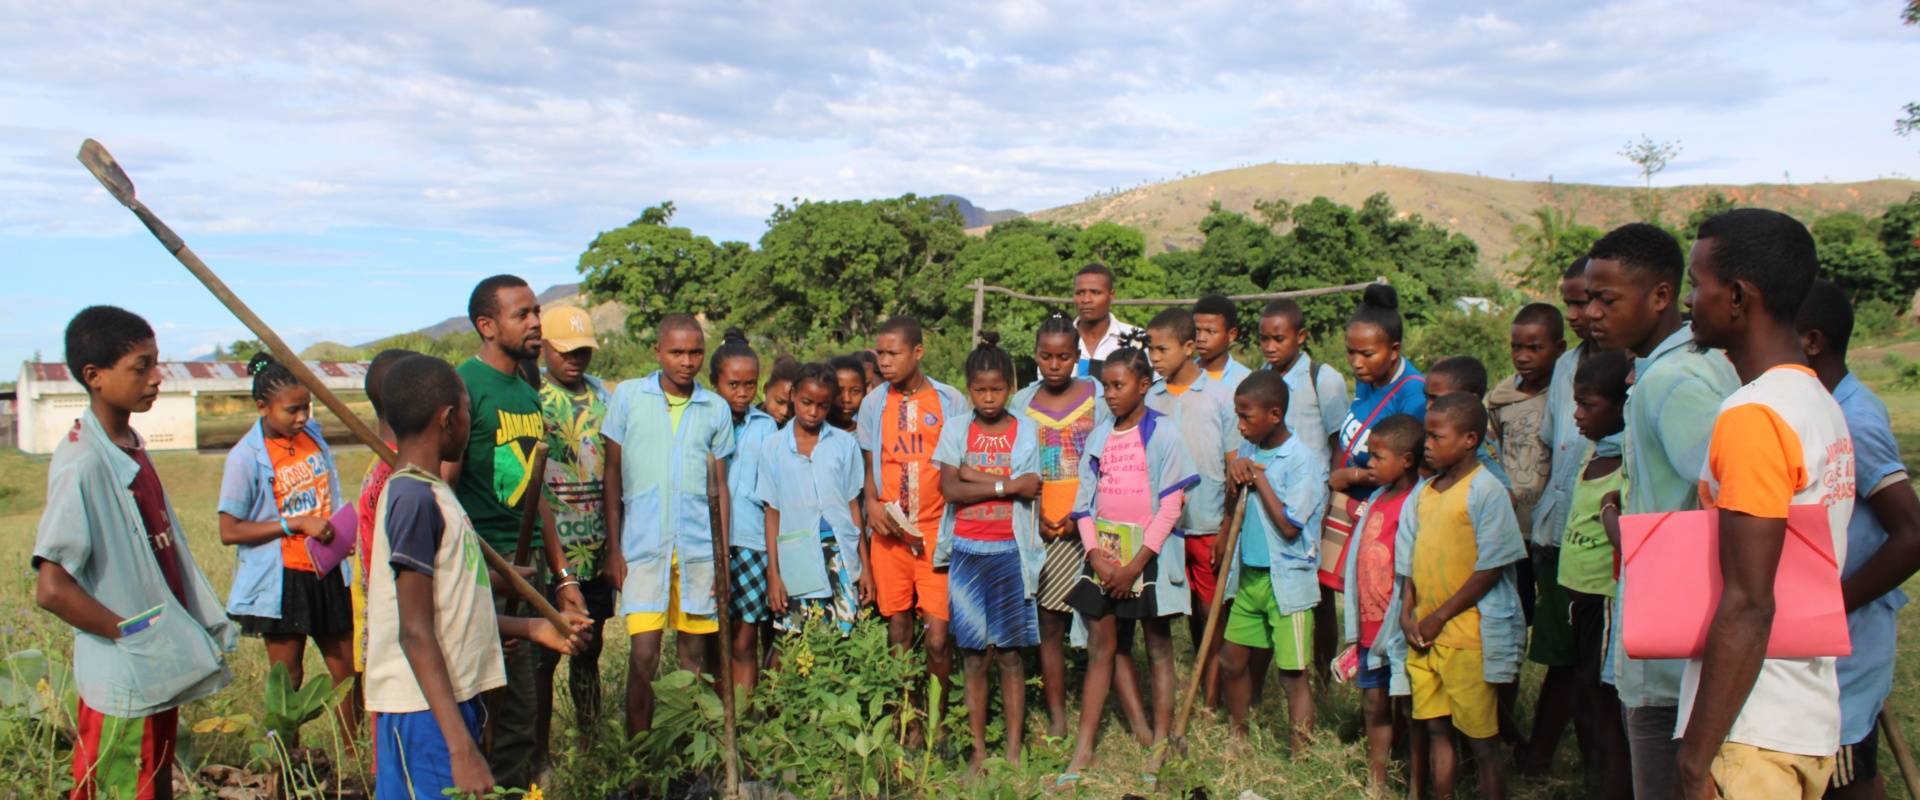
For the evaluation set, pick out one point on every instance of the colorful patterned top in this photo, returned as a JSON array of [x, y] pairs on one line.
[[992, 453]]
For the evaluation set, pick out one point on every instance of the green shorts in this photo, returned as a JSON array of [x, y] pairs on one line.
[[1553, 642], [1256, 622]]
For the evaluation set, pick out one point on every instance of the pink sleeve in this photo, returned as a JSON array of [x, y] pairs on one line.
[[1087, 539], [1161, 525]]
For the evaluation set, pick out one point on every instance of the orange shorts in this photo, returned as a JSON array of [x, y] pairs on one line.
[[904, 582]]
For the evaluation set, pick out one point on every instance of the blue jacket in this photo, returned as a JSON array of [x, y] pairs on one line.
[[1169, 470], [813, 489], [92, 528], [1299, 476], [663, 472], [952, 452], [246, 494]]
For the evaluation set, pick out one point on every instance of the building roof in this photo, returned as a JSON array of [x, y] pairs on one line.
[[177, 376]]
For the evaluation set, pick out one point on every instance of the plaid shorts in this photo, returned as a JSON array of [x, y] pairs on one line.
[[748, 570]]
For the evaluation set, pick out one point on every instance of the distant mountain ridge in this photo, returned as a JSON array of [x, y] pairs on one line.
[[975, 216], [558, 294]]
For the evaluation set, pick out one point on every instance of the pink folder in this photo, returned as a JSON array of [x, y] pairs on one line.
[[1672, 571], [328, 555]]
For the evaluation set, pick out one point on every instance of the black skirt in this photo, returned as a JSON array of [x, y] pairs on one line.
[[310, 605], [1090, 598]]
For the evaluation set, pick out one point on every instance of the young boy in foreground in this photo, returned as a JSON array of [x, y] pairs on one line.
[[109, 563], [433, 643]]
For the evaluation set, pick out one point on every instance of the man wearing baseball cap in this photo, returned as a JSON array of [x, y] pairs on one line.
[[573, 520]]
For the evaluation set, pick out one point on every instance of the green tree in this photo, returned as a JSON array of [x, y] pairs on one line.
[[1652, 158], [1911, 123], [1899, 237], [1546, 247], [655, 269], [1852, 257], [240, 350], [1023, 255]]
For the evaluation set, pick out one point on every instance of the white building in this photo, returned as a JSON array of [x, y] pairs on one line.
[[50, 401]]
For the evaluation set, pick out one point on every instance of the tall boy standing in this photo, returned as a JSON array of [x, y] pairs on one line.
[[1753, 726], [1215, 328], [149, 634], [663, 433]]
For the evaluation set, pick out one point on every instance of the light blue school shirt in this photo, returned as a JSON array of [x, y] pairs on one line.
[[1561, 435], [246, 494], [1675, 397], [1866, 676], [952, 452], [1298, 475], [1496, 537], [663, 483], [743, 474], [1231, 375], [91, 527], [813, 489], [1203, 418], [1316, 400]]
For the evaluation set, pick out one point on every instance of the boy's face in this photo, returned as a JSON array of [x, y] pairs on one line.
[[988, 389], [1534, 351], [852, 389], [739, 382], [1092, 297], [1371, 354], [812, 401], [1166, 352], [1057, 355], [1386, 463], [1438, 386], [899, 361], [132, 383], [1257, 422], [516, 326], [1715, 321], [1447, 445], [779, 402], [1596, 414], [1624, 305], [1573, 298], [1280, 342], [681, 351], [568, 367], [455, 426], [1213, 335]]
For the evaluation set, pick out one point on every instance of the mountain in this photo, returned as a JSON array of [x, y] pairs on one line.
[[975, 216], [565, 294], [1485, 209]]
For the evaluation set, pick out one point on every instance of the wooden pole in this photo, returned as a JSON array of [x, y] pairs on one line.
[[979, 308], [1180, 719], [723, 593], [1184, 301], [106, 170], [1897, 742], [530, 511]]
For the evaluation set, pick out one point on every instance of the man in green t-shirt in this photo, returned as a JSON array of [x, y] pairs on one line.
[[492, 481]]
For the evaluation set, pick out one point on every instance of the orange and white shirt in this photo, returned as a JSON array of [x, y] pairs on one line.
[[1780, 441]]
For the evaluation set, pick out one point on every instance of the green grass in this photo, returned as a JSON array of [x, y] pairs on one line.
[[1333, 765]]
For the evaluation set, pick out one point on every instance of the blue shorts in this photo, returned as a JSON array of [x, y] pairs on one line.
[[1376, 678], [412, 753]]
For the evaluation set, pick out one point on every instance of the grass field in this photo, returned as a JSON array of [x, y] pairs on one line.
[[1334, 765]]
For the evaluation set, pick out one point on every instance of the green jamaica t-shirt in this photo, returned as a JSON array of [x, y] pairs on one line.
[[506, 426]]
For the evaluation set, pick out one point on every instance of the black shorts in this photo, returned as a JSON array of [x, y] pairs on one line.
[[310, 605], [1859, 761], [1592, 614], [1088, 598]]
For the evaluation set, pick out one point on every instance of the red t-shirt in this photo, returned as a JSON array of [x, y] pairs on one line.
[[1375, 568], [151, 498], [991, 453]]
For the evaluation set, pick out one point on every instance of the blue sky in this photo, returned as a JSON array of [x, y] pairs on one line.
[[353, 168]]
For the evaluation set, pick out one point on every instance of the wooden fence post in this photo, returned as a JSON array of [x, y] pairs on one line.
[[979, 308]]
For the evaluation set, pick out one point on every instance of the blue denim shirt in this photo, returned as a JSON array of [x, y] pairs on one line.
[[1203, 418], [1298, 474], [813, 489], [743, 473], [663, 476], [1496, 534], [952, 452], [1169, 470], [1866, 676], [246, 494], [92, 528]]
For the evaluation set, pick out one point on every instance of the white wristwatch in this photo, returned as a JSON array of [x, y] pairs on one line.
[[999, 488]]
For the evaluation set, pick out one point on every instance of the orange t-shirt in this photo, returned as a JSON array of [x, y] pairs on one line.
[[909, 429], [300, 489]]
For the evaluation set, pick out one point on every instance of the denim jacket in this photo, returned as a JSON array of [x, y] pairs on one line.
[[246, 494], [663, 472], [1299, 476], [952, 452], [1169, 470], [1496, 533], [93, 530]]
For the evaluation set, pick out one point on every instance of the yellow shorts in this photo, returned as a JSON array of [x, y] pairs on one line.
[[649, 621], [1742, 770], [1450, 682]]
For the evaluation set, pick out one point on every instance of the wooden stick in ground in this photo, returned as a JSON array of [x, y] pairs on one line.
[[1897, 742], [1179, 730], [530, 512], [99, 162], [722, 597]]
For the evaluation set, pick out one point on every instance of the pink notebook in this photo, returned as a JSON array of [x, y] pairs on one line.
[[1672, 569], [326, 556]]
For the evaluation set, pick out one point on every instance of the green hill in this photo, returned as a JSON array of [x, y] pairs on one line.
[[1485, 209]]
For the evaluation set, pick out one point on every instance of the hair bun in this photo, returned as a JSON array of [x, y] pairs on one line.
[[733, 335], [1057, 314], [1381, 296], [988, 340], [1136, 338], [258, 362]]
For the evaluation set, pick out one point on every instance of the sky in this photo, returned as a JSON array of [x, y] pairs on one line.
[[352, 169]]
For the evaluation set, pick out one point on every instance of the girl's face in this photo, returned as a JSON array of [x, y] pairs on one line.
[[1125, 389], [1385, 463], [1596, 414], [1371, 356], [989, 390], [287, 411], [1056, 354], [779, 402], [739, 381], [853, 387], [812, 401]]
